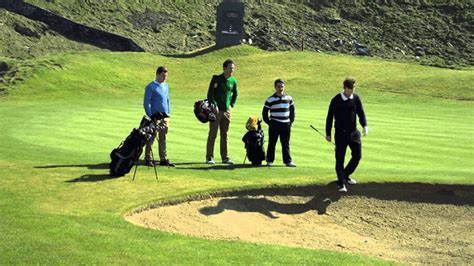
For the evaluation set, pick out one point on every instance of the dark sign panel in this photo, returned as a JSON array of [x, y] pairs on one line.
[[230, 23]]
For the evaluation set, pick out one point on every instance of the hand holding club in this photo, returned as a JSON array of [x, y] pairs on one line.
[[328, 138]]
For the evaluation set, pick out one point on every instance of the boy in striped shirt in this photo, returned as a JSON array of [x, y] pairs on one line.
[[282, 115]]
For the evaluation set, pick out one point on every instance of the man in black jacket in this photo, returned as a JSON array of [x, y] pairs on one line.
[[343, 109]]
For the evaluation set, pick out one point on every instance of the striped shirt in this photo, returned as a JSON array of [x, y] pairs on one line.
[[281, 109]]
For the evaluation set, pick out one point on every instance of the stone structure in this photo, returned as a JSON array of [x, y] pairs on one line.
[[230, 23]]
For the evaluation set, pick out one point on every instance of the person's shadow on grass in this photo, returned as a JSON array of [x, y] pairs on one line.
[[83, 178], [92, 178], [140, 163], [219, 167], [98, 166], [86, 177], [88, 166]]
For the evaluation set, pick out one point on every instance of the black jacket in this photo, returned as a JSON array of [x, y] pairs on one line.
[[344, 112]]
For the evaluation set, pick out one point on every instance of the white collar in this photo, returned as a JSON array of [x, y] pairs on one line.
[[344, 98], [157, 83]]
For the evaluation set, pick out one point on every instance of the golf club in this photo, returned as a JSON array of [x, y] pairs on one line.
[[320, 133]]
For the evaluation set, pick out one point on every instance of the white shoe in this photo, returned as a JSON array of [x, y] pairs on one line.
[[269, 164], [351, 181], [342, 188], [211, 161], [228, 161], [290, 164]]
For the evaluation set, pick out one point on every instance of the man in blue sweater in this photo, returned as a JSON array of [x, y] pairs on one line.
[[344, 108], [157, 100]]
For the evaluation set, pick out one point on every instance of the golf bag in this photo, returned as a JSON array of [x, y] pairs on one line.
[[205, 111], [126, 155], [254, 140]]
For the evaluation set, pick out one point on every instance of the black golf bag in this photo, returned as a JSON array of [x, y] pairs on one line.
[[254, 140], [205, 111], [126, 155]]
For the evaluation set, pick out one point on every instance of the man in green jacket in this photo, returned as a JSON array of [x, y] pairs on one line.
[[222, 93]]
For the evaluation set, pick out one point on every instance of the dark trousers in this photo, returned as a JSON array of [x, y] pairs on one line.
[[283, 130], [344, 139]]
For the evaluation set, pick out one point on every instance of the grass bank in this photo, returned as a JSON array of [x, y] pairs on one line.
[[59, 206]]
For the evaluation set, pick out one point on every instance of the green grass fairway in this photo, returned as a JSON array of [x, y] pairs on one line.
[[58, 127]]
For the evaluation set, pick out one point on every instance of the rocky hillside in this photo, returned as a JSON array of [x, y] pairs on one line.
[[439, 33]]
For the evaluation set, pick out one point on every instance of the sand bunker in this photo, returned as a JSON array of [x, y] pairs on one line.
[[409, 223]]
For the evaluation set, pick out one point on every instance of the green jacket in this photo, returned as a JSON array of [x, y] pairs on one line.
[[223, 91]]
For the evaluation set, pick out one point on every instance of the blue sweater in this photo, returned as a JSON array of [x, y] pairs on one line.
[[157, 98]]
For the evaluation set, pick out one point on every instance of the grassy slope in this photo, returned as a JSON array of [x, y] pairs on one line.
[[440, 28], [61, 123]]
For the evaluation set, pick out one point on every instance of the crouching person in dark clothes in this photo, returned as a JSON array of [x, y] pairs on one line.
[[343, 109], [282, 115]]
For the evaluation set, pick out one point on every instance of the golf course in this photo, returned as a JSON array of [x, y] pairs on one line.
[[61, 119]]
